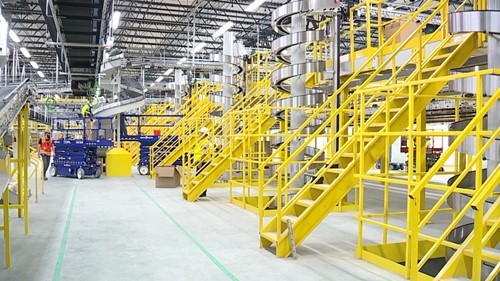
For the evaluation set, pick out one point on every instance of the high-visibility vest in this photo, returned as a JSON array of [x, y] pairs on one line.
[[46, 146], [200, 149], [85, 109]]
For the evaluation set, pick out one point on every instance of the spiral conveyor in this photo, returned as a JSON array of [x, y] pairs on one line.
[[281, 21], [235, 80], [280, 78]]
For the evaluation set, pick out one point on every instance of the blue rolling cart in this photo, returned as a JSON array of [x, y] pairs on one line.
[[76, 145]]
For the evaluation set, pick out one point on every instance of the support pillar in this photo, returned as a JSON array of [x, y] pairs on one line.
[[493, 84], [298, 88], [227, 50], [178, 85]]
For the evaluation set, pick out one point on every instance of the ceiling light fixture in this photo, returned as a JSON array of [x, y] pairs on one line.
[[223, 29], [40, 74], [115, 20], [25, 52], [159, 79], [34, 64], [168, 72], [199, 47], [14, 36], [254, 6]]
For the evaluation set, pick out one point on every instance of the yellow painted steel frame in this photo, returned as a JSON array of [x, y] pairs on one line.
[[21, 167], [37, 171], [422, 247], [230, 134], [198, 105], [274, 232], [5, 227]]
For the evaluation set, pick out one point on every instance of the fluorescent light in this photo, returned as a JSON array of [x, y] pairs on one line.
[[199, 47], [168, 72], [34, 64], [115, 20], [14, 36], [145, 90], [254, 6], [45, 80], [223, 29], [25, 52], [40, 74], [152, 85], [181, 61], [159, 79]]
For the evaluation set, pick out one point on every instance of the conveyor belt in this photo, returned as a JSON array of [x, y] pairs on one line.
[[12, 99]]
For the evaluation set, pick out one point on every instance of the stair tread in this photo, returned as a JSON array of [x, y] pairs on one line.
[[271, 236], [377, 125], [348, 155], [322, 186], [335, 170], [305, 202], [440, 57], [431, 69]]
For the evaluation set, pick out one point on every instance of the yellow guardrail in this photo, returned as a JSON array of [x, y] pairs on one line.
[[197, 106]]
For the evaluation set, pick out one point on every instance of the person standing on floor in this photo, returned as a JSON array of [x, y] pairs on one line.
[[201, 155], [45, 147]]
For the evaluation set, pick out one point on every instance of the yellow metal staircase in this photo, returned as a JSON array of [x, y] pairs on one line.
[[315, 200], [168, 148]]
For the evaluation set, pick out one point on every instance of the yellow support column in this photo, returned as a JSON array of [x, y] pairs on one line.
[[421, 154], [23, 149], [5, 167]]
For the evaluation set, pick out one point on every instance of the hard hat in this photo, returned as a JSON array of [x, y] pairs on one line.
[[205, 130]]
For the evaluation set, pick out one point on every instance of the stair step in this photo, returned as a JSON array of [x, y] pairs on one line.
[[452, 44], [305, 202], [271, 236], [492, 222], [366, 139], [321, 186], [430, 69], [347, 155], [440, 57], [335, 170], [377, 125]]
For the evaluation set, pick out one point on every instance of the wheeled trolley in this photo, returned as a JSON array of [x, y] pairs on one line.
[[78, 146]]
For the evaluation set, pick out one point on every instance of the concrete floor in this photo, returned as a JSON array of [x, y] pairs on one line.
[[125, 229]]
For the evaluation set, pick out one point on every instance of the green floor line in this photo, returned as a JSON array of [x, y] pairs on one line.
[[190, 237], [62, 249]]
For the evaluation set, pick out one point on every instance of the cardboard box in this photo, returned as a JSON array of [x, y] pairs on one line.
[[168, 176], [391, 28]]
